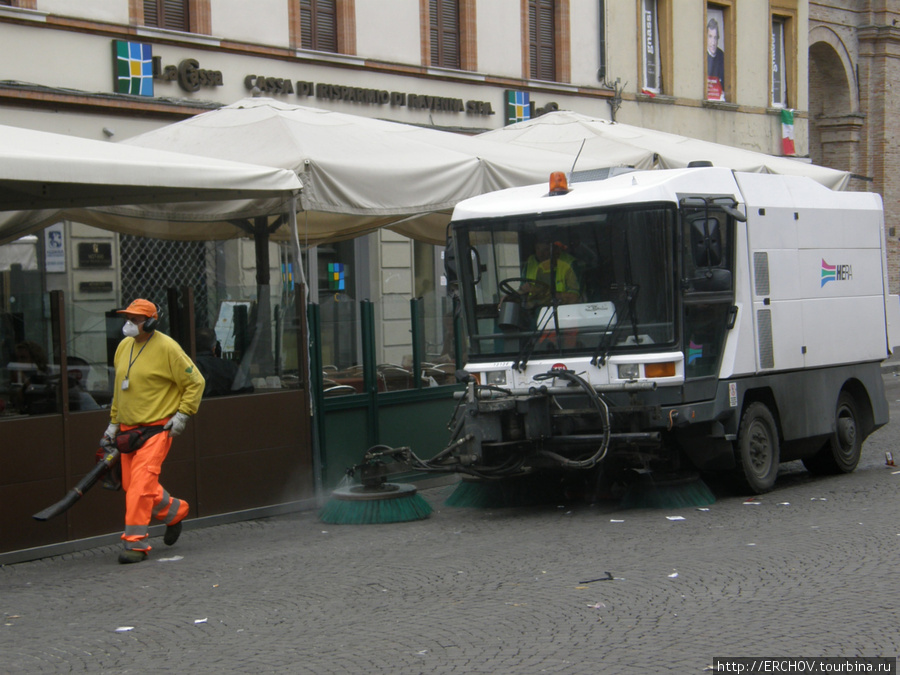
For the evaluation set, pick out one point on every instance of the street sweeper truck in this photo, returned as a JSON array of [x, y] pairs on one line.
[[668, 324]]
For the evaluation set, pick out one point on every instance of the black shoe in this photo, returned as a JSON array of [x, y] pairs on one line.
[[172, 533], [130, 556]]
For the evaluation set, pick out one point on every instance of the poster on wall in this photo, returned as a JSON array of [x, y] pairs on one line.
[[650, 30], [230, 324], [54, 249], [715, 54]]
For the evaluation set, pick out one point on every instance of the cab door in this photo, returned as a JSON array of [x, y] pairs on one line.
[[707, 294]]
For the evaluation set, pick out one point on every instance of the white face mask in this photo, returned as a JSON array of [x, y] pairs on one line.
[[130, 329]]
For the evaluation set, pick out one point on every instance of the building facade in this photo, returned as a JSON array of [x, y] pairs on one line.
[[457, 65], [854, 59]]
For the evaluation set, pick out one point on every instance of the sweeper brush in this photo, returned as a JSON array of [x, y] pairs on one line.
[[375, 500], [519, 491], [667, 492], [361, 505]]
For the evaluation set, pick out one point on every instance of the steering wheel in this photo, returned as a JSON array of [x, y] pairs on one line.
[[539, 288]]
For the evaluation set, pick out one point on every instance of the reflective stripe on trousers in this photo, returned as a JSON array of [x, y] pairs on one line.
[[145, 498]]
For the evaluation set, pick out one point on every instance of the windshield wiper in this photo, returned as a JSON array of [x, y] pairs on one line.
[[608, 339], [531, 341]]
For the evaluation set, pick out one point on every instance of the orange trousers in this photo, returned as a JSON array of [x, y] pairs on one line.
[[145, 498]]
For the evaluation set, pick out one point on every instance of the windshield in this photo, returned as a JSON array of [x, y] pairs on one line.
[[608, 274]]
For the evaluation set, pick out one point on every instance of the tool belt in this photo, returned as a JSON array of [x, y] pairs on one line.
[[133, 439]]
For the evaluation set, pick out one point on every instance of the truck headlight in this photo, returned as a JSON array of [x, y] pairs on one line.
[[629, 371], [495, 377]]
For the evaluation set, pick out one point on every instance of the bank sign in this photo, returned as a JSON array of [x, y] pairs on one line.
[[136, 70]]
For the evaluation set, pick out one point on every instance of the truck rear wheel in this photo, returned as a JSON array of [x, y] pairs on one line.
[[842, 451], [757, 450]]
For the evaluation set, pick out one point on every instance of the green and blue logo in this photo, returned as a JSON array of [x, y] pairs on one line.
[[337, 277], [133, 68], [518, 106]]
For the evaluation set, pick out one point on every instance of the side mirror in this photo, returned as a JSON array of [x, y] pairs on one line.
[[450, 270], [706, 243]]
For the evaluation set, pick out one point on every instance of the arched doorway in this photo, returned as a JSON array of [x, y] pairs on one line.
[[835, 121]]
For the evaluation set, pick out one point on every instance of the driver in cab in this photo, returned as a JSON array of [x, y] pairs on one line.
[[549, 266]]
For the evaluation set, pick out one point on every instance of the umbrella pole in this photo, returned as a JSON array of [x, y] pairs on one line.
[[302, 316]]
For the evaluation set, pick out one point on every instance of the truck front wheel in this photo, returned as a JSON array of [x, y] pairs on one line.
[[757, 449], [841, 453]]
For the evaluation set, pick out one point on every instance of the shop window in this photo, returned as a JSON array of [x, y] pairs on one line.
[[168, 14], [718, 52], [318, 25]]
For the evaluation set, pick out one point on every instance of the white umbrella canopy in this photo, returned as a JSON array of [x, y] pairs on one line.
[[359, 174], [625, 145], [44, 175]]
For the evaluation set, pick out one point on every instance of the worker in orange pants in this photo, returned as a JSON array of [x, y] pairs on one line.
[[157, 390], [145, 498]]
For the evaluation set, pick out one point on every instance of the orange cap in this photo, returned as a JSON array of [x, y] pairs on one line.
[[141, 307]]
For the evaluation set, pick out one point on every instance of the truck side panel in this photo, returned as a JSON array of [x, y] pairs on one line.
[[842, 330], [817, 283]]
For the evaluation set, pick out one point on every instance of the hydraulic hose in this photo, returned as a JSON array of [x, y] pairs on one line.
[[602, 408]]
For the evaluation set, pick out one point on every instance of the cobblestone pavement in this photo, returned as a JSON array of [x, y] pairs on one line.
[[811, 570]]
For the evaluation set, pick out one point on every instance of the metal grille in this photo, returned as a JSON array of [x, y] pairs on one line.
[[150, 266], [761, 272], [764, 338]]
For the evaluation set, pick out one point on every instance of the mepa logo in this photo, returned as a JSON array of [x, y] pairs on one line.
[[835, 272]]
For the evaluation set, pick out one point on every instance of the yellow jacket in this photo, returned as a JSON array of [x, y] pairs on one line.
[[162, 380], [566, 279]]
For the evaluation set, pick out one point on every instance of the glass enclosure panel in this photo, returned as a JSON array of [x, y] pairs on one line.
[[340, 322], [437, 305], [254, 344], [29, 359], [393, 343], [94, 330]]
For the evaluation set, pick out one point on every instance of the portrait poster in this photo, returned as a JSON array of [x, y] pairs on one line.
[[54, 248], [714, 50]]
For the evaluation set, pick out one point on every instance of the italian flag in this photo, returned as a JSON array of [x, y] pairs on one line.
[[787, 132]]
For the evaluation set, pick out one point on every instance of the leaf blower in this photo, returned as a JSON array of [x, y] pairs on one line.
[[107, 462]]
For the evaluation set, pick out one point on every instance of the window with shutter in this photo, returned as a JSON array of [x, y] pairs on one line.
[[783, 75], [542, 43], [318, 25], [444, 15], [168, 14]]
